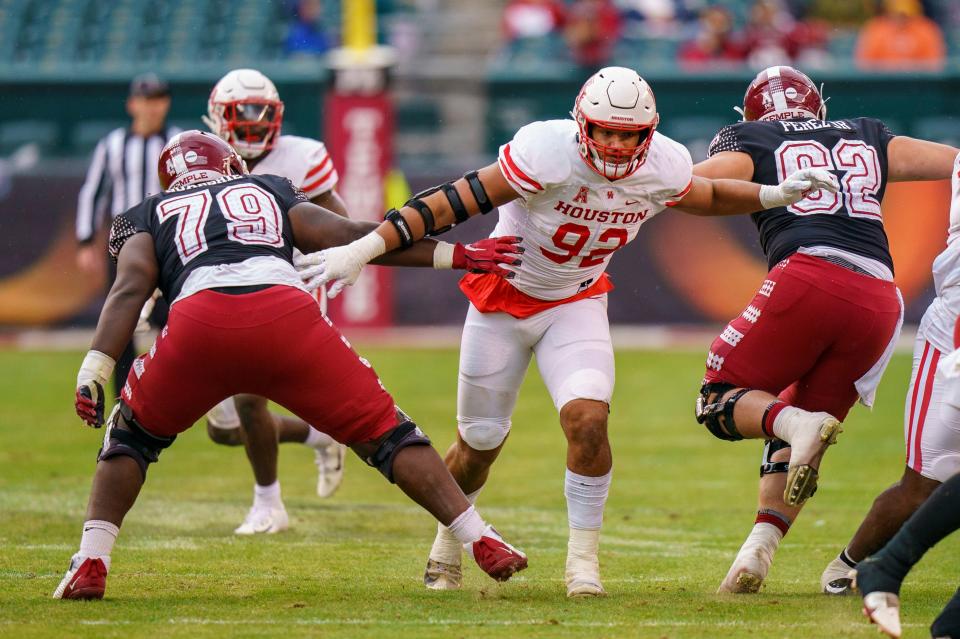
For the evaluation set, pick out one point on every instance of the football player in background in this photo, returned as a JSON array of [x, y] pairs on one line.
[[936, 457], [219, 244], [819, 332], [245, 110], [576, 191]]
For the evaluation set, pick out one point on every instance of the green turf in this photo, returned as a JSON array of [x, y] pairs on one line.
[[350, 567]]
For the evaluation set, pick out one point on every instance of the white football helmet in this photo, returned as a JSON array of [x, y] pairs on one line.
[[245, 110], [615, 98]]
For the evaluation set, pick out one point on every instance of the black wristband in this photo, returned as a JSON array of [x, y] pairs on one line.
[[479, 193], [403, 229]]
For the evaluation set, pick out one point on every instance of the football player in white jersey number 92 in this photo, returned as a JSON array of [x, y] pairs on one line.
[[576, 191], [245, 110]]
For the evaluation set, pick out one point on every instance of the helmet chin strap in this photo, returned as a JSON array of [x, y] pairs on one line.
[[743, 116]]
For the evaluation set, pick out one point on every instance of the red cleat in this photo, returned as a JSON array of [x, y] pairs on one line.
[[498, 559], [85, 579]]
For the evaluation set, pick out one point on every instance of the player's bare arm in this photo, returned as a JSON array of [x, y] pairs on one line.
[[735, 197], [331, 201], [136, 281], [137, 273], [734, 165], [910, 159]]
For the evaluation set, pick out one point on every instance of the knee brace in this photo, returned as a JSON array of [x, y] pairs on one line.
[[717, 415], [224, 415], [483, 433], [768, 466], [586, 383], [125, 436], [406, 434]]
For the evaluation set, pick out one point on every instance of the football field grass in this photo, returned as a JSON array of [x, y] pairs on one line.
[[681, 504]]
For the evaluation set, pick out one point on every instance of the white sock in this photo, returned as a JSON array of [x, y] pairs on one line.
[[764, 535], [583, 544], [98, 539], [468, 527], [784, 425], [586, 497], [267, 496], [447, 548], [316, 439]]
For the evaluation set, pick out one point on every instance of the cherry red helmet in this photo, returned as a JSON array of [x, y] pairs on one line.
[[783, 93], [195, 156], [615, 98]]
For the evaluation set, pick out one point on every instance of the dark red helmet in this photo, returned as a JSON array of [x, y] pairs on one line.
[[782, 93], [195, 156]]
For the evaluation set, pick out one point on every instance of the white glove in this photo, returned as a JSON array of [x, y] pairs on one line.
[[340, 265], [797, 186]]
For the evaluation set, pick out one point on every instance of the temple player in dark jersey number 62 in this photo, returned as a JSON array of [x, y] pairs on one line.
[[819, 332], [219, 245]]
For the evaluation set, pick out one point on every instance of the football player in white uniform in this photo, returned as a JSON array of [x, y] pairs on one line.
[[931, 420], [245, 110], [575, 191]]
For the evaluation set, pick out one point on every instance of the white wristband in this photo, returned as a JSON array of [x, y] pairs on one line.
[[97, 366], [443, 255], [771, 196], [368, 247]]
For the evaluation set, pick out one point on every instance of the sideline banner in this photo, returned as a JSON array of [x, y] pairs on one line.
[[359, 135]]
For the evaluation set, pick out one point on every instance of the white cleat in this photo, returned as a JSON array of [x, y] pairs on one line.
[[329, 460], [883, 609], [835, 579], [264, 520], [750, 568], [582, 577], [441, 576], [808, 444]]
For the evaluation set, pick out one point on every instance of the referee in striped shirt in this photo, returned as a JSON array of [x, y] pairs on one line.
[[122, 173]]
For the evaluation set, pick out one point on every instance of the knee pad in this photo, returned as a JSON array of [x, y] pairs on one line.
[[586, 383], [768, 466], [406, 434], [224, 415], [717, 415], [125, 436], [483, 433]]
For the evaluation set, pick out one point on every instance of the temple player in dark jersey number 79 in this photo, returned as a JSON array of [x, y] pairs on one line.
[[219, 244], [819, 332]]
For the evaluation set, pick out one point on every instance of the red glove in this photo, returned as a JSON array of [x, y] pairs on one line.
[[489, 255], [89, 403]]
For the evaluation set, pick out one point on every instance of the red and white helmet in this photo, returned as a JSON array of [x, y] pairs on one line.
[[615, 98], [245, 110], [196, 156], [782, 93]]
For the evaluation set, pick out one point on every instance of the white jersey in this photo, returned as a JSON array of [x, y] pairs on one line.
[[303, 161], [571, 218], [939, 320]]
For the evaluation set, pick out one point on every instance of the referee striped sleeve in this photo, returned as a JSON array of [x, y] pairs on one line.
[[94, 189]]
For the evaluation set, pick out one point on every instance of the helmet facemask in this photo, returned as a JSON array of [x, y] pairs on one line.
[[611, 162], [251, 126]]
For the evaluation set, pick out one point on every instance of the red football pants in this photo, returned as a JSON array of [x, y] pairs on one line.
[[274, 343], [812, 330]]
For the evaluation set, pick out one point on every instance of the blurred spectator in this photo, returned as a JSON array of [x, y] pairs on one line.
[[592, 30], [773, 36], [901, 38], [653, 17], [532, 18], [306, 34], [850, 13], [715, 42]]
